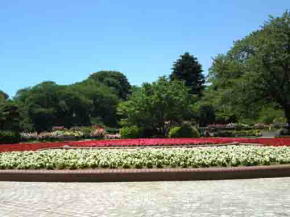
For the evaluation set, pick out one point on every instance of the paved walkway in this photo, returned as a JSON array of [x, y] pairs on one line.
[[256, 197]]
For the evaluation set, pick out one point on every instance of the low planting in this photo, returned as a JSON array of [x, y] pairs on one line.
[[7, 137], [75, 133], [185, 131], [130, 132], [143, 142], [228, 156], [237, 133]]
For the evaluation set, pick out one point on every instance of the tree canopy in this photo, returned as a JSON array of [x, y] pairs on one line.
[[3, 95], [154, 107], [188, 69], [255, 72], [115, 80], [92, 101]]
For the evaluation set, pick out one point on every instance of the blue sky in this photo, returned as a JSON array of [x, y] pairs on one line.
[[66, 40]]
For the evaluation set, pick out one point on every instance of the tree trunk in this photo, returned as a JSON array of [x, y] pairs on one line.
[[287, 115]]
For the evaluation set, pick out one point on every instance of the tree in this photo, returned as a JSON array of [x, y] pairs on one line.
[[206, 115], [48, 104], [270, 62], [224, 77], [9, 116], [104, 102], [155, 107], [73, 108], [188, 69], [40, 103], [256, 71], [3, 96], [115, 80]]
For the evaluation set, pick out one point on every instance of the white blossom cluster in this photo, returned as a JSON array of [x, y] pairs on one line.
[[226, 156]]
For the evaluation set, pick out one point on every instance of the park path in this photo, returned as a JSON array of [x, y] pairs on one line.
[[252, 197]]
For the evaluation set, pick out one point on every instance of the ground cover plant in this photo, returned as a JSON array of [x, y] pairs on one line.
[[227, 156], [143, 142]]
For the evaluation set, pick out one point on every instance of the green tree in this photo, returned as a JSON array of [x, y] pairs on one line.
[[41, 103], [188, 69], [73, 108], [48, 104], [270, 62], [3, 96], [256, 71], [9, 116], [157, 106], [206, 115], [103, 99], [115, 80]]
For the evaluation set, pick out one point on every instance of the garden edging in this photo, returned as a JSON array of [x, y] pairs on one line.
[[122, 175]]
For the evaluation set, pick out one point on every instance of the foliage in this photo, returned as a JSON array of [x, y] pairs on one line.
[[188, 69], [269, 115], [7, 137], [3, 96], [92, 101], [155, 107], [206, 115], [230, 156], [61, 134], [103, 102], [9, 116], [237, 133], [115, 80], [254, 74], [130, 132], [184, 131]]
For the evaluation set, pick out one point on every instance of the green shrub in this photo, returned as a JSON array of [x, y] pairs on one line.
[[184, 131], [130, 132], [9, 137], [111, 130], [237, 133]]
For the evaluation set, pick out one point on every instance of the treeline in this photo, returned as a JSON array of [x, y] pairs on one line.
[[248, 84], [90, 102]]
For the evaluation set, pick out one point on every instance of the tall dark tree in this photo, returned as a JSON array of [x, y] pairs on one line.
[[188, 69]]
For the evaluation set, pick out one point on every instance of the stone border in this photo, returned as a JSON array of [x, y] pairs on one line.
[[125, 175]]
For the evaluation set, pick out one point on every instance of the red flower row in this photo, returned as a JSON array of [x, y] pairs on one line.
[[142, 142]]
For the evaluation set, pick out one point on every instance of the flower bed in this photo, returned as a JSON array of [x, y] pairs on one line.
[[143, 142], [227, 156]]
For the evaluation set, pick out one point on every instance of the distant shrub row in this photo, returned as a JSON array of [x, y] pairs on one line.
[[9, 137]]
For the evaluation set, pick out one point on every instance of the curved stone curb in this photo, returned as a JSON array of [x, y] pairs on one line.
[[119, 175]]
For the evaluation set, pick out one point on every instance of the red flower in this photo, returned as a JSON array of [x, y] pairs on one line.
[[143, 142]]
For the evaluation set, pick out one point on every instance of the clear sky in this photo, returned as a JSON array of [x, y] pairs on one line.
[[66, 40]]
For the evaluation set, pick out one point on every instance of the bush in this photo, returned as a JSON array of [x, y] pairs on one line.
[[185, 131], [130, 132], [9, 137], [237, 133]]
